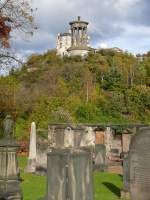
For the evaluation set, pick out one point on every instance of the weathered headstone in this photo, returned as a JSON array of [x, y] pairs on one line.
[[51, 136], [126, 178], [108, 141], [56, 135], [64, 135], [42, 149], [139, 162], [69, 175], [126, 139], [88, 138], [69, 137], [9, 174], [100, 157], [31, 166]]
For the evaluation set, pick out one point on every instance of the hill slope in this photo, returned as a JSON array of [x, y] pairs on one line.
[[106, 87]]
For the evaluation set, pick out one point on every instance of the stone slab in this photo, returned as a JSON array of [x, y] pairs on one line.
[[139, 162]]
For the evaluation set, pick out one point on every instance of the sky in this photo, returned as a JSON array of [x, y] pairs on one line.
[[112, 23]]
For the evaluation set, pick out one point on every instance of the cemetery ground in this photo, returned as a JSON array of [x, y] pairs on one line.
[[107, 185]]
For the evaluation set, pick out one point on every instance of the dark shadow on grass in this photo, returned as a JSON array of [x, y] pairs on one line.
[[120, 175], [113, 188]]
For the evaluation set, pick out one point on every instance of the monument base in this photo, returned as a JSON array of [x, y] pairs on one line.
[[10, 190], [125, 194], [31, 166], [41, 171], [9, 172]]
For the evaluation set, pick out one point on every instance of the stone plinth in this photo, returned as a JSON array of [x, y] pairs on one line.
[[9, 174], [69, 175], [72, 52]]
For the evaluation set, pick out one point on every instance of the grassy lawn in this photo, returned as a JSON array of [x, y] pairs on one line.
[[107, 186]]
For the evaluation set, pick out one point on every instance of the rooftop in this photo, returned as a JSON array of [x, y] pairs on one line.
[[79, 21]]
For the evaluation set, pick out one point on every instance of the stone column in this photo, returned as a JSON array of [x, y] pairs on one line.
[[78, 37], [72, 38], [31, 166], [9, 176]]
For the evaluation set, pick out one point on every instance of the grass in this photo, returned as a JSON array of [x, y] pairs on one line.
[[33, 187], [107, 186]]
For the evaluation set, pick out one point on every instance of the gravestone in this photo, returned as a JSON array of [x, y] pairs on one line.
[[69, 175], [69, 137], [9, 173], [41, 161], [126, 139], [126, 178], [56, 135], [65, 135], [139, 163], [88, 138], [100, 158], [31, 165]]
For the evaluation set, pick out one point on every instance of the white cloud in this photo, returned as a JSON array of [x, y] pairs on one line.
[[104, 45], [118, 22]]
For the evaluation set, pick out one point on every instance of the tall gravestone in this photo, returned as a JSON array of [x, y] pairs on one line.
[[139, 163], [42, 149], [69, 175], [69, 162], [31, 165], [9, 174]]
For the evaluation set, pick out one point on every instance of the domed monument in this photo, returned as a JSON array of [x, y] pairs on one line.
[[76, 42]]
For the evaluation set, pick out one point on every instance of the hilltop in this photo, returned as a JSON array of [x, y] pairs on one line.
[[106, 87]]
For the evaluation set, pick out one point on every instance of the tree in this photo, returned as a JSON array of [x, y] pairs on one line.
[[15, 16]]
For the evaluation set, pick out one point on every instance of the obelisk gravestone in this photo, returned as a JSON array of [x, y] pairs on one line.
[[31, 166]]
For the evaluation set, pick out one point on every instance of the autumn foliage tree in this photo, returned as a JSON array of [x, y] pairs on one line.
[[16, 17]]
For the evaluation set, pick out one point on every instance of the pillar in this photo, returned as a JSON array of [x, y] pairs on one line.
[[31, 166], [9, 174]]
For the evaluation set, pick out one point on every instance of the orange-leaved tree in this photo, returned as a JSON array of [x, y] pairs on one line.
[[16, 17]]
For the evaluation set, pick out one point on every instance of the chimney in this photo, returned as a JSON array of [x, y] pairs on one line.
[[79, 18]]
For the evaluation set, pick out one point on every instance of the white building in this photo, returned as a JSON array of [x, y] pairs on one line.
[[63, 44], [76, 42]]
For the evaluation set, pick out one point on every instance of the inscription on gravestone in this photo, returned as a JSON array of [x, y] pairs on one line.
[[139, 162]]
